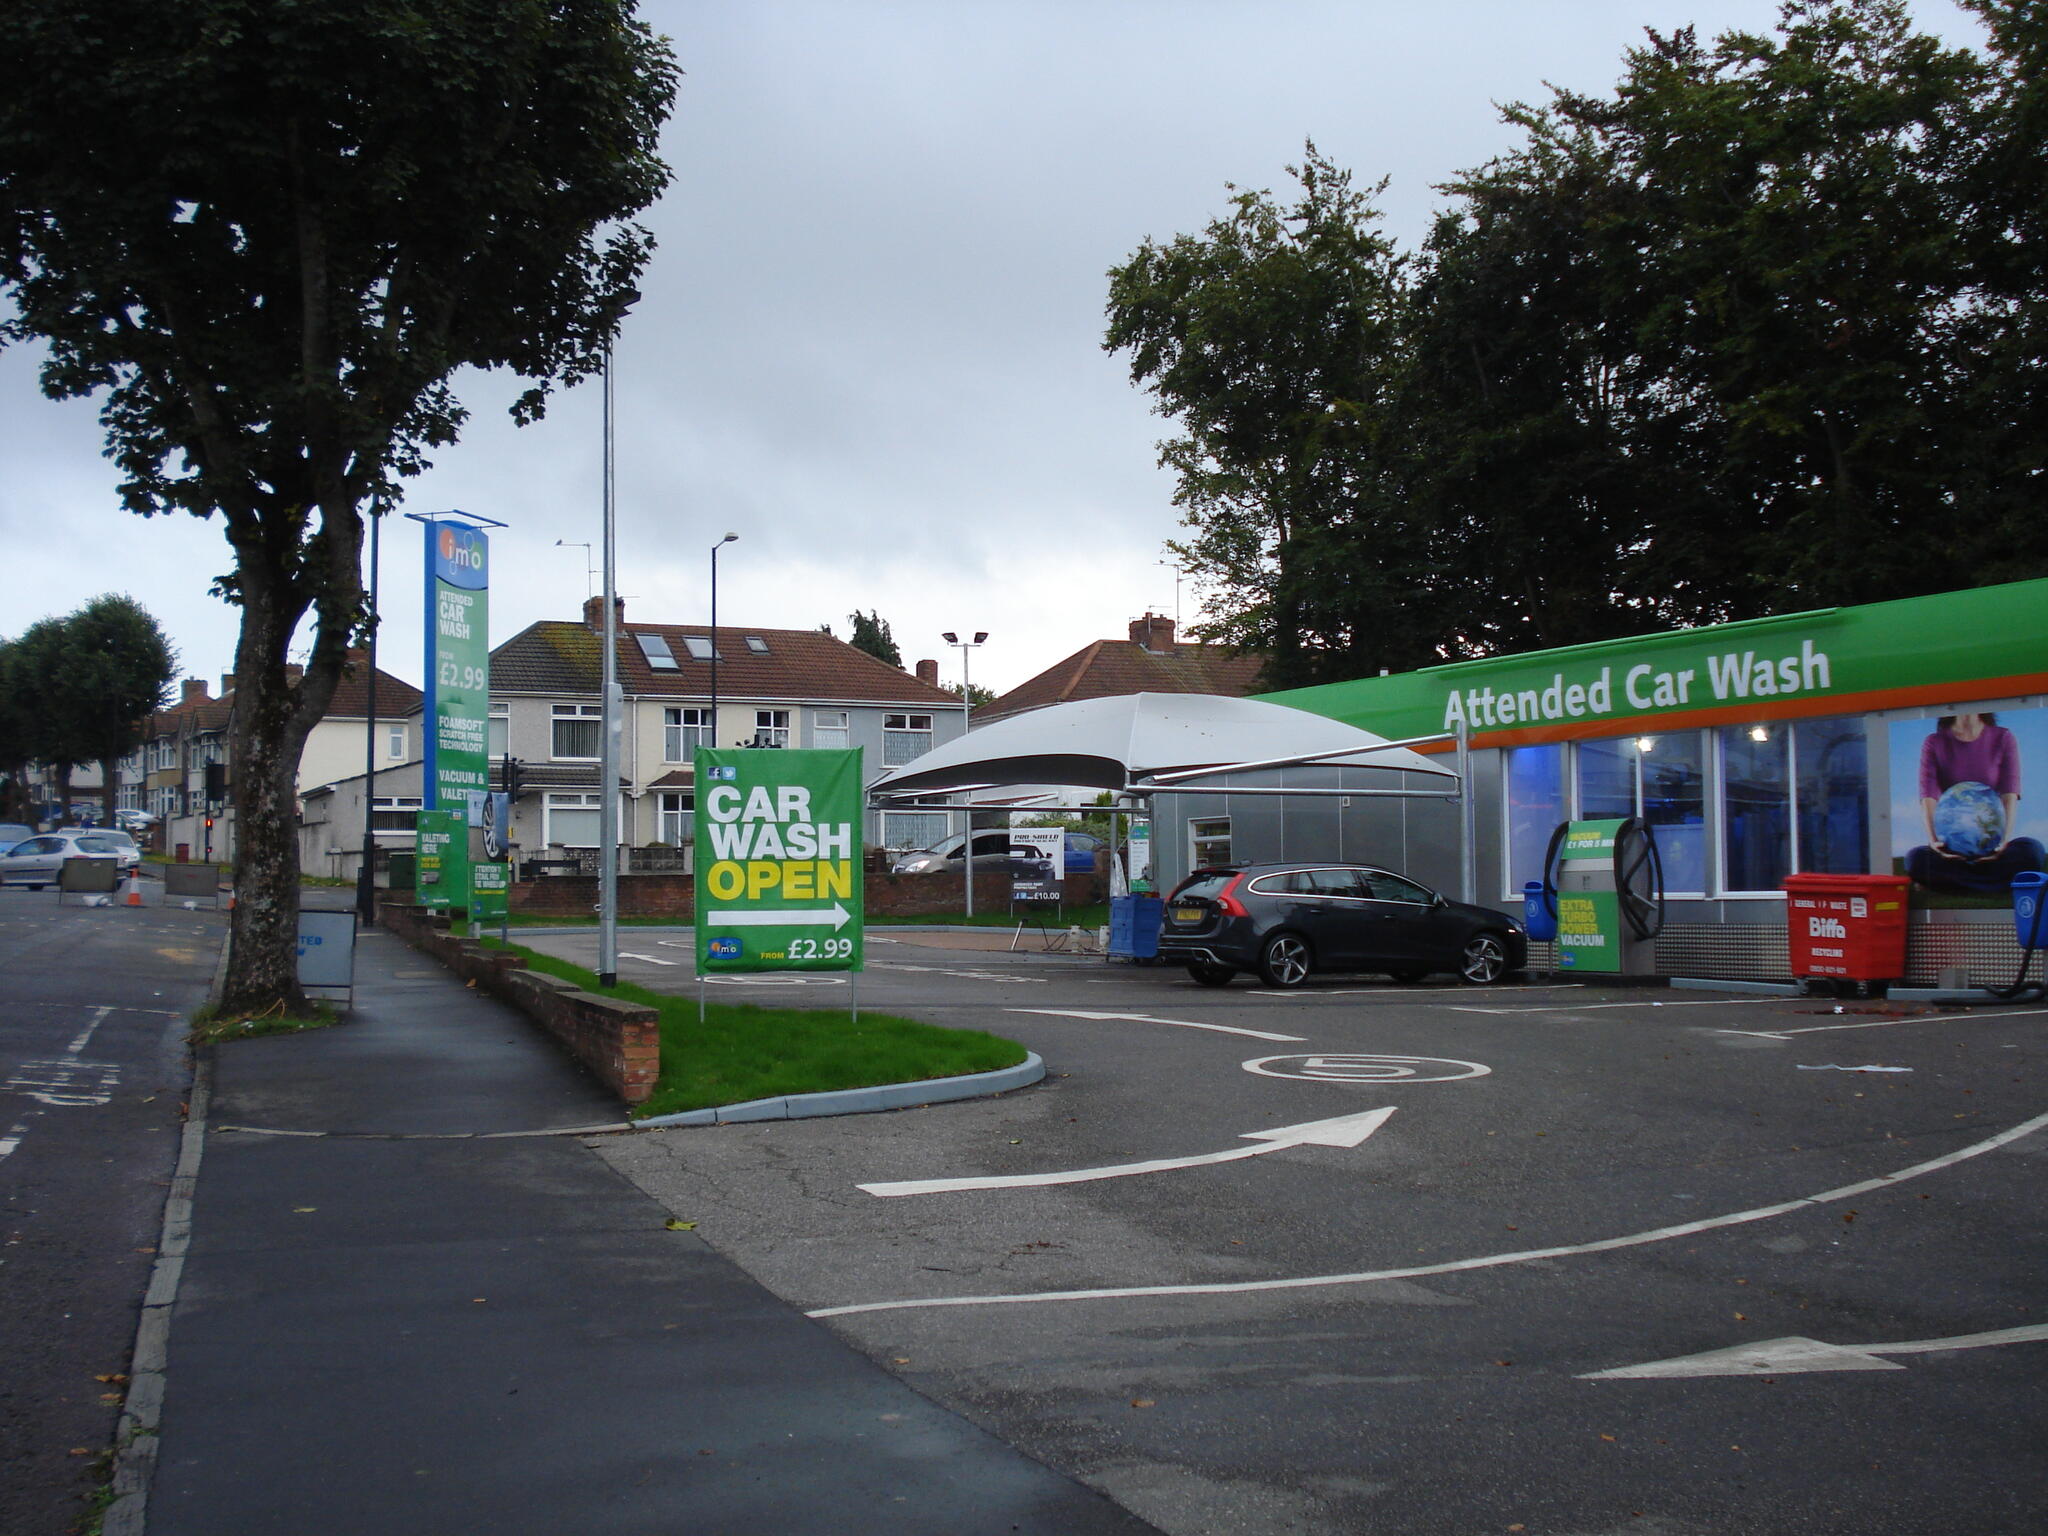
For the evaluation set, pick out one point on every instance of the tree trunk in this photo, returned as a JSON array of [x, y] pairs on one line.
[[60, 775], [109, 789]]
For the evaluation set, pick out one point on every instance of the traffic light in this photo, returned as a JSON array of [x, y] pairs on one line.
[[209, 823], [216, 784], [510, 775]]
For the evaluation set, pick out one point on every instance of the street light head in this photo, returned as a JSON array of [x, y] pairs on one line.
[[729, 538], [950, 638], [980, 635]]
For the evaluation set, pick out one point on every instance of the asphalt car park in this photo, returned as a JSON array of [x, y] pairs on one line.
[[1355, 1256]]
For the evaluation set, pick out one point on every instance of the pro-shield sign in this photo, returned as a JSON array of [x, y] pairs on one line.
[[458, 665], [778, 860]]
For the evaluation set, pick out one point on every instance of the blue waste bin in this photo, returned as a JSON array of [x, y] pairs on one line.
[[2029, 899], [1134, 927], [1537, 916]]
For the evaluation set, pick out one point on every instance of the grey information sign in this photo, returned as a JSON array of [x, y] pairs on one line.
[[327, 950]]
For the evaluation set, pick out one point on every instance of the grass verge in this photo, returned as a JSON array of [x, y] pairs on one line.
[[210, 1026], [743, 1052]]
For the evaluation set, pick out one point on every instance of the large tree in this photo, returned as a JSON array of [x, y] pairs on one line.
[[119, 671], [871, 634], [269, 233]]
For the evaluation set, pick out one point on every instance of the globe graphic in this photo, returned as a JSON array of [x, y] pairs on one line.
[[1969, 820]]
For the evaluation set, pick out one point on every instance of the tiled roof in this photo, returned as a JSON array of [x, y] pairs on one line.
[[1106, 668], [396, 697], [560, 656]]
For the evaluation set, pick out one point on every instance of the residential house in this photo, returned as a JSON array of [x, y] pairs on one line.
[[776, 688], [1152, 660]]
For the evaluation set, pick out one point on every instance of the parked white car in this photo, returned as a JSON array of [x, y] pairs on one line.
[[35, 861]]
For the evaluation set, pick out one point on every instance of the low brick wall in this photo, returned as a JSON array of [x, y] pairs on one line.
[[619, 1041], [887, 895]]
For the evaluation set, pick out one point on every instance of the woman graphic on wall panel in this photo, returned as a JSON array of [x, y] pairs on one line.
[[1969, 801]]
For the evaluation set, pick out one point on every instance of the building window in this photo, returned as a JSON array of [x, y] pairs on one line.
[[1209, 841], [1672, 785], [699, 647], [1535, 805], [830, 730], [1756, 806], [570, 820], [578, 729], [1831, 782], [501, 731], [659, 657], [909, 831], [683, 731], [395, 813], [394, 743], [676, 808], [905, 737], [771, 727]]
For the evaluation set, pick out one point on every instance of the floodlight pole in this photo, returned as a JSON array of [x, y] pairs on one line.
[[728, 539], [608, 752], [966, 724]]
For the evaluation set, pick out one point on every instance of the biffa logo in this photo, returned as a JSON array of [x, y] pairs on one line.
[[1825, 928]]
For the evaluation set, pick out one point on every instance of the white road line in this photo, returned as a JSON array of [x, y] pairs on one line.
[[627, 954], [99, 1017], [1711, 1002], [1798, 1356], [1917, 1018], [1455, 1266], [1343, 1131], [12, 1139], [1301, 995], [1146, 1018]]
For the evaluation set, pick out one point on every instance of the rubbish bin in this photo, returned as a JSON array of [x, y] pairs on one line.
[[1134, 927], [1847, 927], [1538, 920]]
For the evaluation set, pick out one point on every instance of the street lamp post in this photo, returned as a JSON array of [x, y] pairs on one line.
[[366, 883], [966, 720], [728, 539]]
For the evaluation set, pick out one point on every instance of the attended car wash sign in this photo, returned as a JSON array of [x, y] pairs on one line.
[[458, 707], [778, 860]]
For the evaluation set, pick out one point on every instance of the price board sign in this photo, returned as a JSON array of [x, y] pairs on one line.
[[778, 860], [458, 705], [443, 871]]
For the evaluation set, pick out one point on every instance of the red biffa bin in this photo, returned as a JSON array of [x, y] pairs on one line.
[[1847, 927]]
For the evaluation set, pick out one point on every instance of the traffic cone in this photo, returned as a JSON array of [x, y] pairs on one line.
[[135, 886]]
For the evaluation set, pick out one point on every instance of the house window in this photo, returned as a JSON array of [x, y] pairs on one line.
[[771, 727], [757, 645], [1209, 841], [676, 808], [659, 657], [907, 831], [394, 743], [501, 730], [683, 731], [577, 731], [570, 820], [829, 729], [699, 647], [395, 813], [905, 737]]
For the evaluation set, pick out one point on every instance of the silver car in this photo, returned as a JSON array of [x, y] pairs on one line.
[[35, 861]]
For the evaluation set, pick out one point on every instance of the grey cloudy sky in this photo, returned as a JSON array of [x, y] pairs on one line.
[[870, 343]]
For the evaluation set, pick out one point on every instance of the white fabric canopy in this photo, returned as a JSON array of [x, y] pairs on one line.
[[1123, 742]]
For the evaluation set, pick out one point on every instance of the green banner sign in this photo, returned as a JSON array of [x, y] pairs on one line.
[[778, 860], [443, 877], [1589, 921], [1589, 840], [490, 888], [458, 705]]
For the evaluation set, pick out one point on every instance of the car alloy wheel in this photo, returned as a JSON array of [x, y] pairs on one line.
[[1485, 959], [1284, 962], [1212, 975]]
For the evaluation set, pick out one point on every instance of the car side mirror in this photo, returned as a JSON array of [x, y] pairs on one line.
[[1439, 899]]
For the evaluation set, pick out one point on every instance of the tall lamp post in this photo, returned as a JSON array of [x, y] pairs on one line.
[[966, 720], [713, 727], [366, 883]]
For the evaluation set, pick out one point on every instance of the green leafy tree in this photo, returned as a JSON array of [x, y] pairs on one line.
[[41, 703], [118, 671], [268, 237], [14, 731], [976, 695], [871, 634]]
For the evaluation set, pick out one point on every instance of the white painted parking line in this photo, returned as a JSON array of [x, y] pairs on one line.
[[941, 970], [1711, 1002], [13, 1138], [1343, 1131], [1457, 1266], [627, 954], [1146, 1018], [1303, 995], [1796, 1356], [1915, 1018]]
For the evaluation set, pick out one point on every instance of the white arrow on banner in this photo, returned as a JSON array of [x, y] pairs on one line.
[[1344, 1131], [834, 916], [1797, 1356]]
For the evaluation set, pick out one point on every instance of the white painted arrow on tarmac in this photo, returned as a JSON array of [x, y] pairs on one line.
[[834, 916], [1797, 1356], [1344, 1131]]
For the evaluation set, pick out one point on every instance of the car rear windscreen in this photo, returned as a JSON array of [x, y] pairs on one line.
[[1206, 882]]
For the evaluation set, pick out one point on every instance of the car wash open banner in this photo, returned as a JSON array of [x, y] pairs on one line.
[[458, 706], [778, 860]]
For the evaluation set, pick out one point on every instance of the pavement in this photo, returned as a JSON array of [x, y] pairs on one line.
[[415, 1300]]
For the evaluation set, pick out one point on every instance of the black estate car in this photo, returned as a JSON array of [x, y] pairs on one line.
[[1286, 921]]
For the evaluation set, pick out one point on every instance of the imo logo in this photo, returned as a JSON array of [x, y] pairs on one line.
[[462, 548], [726, 948]]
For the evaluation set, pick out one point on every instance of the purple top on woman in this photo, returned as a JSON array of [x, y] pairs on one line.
[[1993, 759]]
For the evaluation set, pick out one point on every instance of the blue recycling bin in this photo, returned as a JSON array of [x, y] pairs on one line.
[[1134, 927], [1537, 917], [2029, 898]]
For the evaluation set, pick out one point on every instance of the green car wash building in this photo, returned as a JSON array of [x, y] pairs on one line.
[[1899, 737]]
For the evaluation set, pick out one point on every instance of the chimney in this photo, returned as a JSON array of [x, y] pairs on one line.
[[357, 659], [1154, 633], [593, 613], [227, 684], [195, 691], [928, 672], [292, 673]]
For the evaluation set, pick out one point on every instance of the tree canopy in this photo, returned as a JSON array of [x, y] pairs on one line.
[[871, 634], [267, 236], [1760, 330]]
